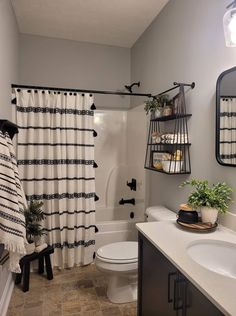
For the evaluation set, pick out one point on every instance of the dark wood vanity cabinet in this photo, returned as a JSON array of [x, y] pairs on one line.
[[165, 291]]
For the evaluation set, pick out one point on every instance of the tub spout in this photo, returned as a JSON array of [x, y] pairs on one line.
[[130, 201]]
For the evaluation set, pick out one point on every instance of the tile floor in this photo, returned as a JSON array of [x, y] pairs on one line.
[[79, 291]]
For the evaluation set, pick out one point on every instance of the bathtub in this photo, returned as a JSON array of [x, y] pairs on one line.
[[115, 224]]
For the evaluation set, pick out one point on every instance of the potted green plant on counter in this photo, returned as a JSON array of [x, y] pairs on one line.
[[209, 199]]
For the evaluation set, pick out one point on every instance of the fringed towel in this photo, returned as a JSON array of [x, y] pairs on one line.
[[12, 203]]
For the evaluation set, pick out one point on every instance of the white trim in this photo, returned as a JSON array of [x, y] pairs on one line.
[[228, 220], [6, 296]]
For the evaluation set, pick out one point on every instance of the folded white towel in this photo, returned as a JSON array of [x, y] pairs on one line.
[[41, 247], [175, 141], [173, 136]]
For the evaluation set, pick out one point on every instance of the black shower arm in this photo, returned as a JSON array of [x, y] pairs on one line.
[[129, 88]]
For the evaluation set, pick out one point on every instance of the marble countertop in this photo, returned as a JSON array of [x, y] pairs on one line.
[[172, 241]]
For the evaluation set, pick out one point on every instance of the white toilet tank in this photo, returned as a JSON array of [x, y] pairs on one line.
[[159, 213]]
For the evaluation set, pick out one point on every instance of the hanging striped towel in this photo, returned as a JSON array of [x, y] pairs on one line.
[[12, 203]]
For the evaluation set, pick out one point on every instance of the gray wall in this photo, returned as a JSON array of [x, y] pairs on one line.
[[8, 56], [8, 74], [186, 43], [64, 63]]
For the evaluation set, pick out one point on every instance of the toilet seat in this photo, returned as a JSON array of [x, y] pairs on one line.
[[119, 261], [119, 253]]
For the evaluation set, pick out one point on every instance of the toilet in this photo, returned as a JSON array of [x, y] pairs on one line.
[[119, 261]]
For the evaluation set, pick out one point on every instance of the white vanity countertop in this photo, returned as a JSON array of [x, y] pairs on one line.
[[172, 241]]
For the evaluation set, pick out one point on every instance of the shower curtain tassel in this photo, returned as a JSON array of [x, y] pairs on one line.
[[95, 165], [93, 107], [13, 101], [95, 134], [96, 198]]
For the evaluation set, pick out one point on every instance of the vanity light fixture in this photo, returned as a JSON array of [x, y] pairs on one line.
[[229, 23]]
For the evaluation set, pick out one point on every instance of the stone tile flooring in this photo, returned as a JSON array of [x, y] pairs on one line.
[[79, 291]]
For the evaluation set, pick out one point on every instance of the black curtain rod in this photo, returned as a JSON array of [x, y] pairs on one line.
[[177, 85], [149, 95], [81, 90], [168, 90]]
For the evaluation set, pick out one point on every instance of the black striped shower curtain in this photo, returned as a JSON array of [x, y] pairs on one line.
[[228, 130], [55, 153]]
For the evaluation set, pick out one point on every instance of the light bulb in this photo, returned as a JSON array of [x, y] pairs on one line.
[[233, 37], [232, 24], [229, 23]]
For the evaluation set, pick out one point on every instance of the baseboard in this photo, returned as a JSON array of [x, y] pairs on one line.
[[6, 296]]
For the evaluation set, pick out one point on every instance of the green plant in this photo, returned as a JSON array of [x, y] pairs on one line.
[[158, 102], [151, 106], [217, 196], [164, 99], [33, 216]]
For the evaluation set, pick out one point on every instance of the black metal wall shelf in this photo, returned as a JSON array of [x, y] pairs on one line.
[[170, 174], [170, 117], [163, 144], [169, 152]]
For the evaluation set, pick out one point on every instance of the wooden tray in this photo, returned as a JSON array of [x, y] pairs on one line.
[[198, 227]]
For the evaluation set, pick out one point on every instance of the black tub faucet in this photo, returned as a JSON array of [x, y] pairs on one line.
[[130, 201]]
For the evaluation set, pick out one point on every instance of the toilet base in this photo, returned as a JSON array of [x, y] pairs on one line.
[[122, 289]]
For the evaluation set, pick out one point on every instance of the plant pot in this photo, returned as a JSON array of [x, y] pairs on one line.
[[30, 248], [158, 113], [38, 240], [209, 214], [189, 217], [167, 111]]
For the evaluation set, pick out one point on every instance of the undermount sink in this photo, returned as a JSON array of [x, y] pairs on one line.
[[215, 255]]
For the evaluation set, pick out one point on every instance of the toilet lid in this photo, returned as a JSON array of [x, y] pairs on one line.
[[119, 252]]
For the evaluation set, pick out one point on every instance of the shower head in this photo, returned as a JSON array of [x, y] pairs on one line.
[[129, 88]]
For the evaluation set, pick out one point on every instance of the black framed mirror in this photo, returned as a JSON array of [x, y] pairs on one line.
[[226, 118]]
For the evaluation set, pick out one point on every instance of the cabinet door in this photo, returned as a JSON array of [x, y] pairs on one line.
[[156, 279], [198, 304]]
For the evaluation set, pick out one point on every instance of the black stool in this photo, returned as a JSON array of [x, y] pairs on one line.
[[25, 266]]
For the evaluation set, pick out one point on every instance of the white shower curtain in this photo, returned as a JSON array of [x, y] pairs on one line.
[[228, 130], [55, 152]]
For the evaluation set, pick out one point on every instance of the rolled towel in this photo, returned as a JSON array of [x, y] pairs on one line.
[[30, 248], [41, 247]]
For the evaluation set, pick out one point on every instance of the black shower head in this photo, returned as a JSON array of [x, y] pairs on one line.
[[129, 88]]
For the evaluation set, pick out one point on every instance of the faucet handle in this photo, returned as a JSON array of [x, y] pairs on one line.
[[132, 184]]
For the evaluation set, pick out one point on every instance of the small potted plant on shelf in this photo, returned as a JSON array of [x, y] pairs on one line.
[[153, 107], [156, 105], [166, 104], [34, 230], [209, 199]]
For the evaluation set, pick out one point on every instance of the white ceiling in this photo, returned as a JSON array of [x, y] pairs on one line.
[[111, 22]]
